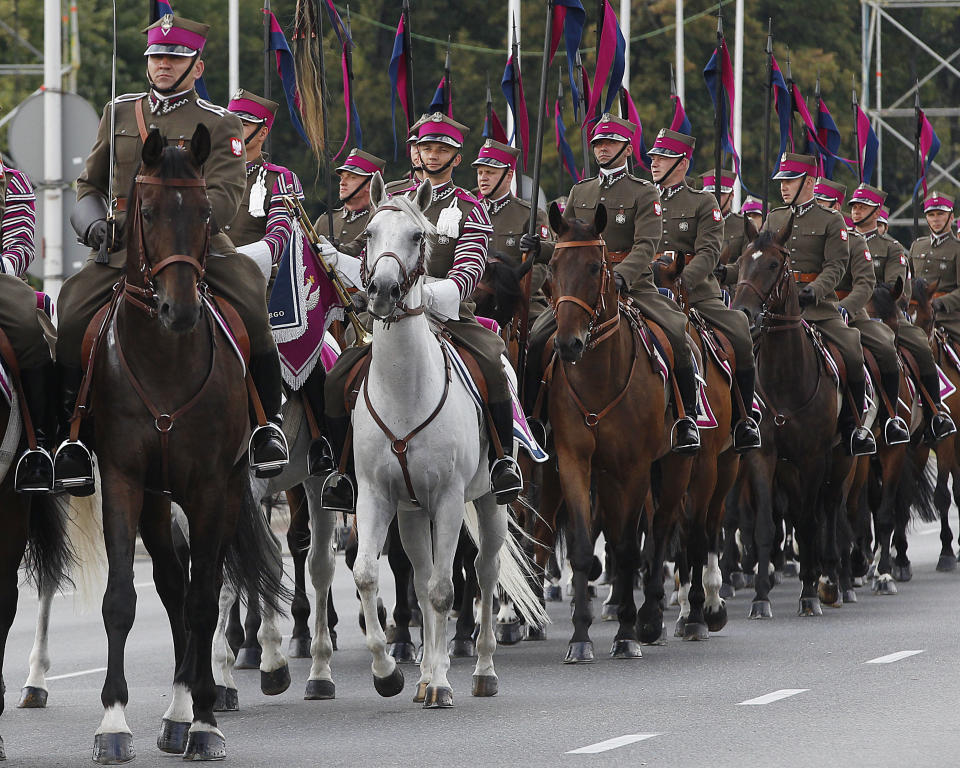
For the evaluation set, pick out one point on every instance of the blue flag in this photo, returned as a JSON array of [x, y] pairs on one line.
[[781, 102], [288, 73]]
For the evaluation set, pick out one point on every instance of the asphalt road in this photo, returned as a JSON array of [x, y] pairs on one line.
[[817, 699]]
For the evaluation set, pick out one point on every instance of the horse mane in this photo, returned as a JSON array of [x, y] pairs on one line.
[[883, 301]]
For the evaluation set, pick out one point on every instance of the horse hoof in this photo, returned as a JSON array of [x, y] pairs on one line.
[[737, 580], [205, 745], [791, 568], [716, 619], [760, 609], [438, 697], [299, 647], [320, 690], [32, 698], [901, 572], [625, 648], [462, 648], [945, 564], [679, 627], [227, 700], [694, 630], [535, 633], [828, 593], [390, 685], [727, 591], [651, 633], [884, 585], [421, 695], [485, 685], [403, 653], [276, 682], [579, 653], [849, 595], [509, 633], [609, 612], [552, 594], [248, 658], [173, 736], [809, 606], [113, 748]]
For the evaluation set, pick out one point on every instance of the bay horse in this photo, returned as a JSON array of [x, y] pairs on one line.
[[158, 378], [799, 460], [607, 408], [426, 478], [715, 466]]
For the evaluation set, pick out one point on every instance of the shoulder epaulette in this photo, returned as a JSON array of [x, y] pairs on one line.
[[462, 194], [128, 97], [638, 179], [584, 181], [521, 201], [211, 107]]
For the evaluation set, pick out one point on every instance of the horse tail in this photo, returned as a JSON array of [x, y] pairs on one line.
[[85, 530], [915, 493], [49, 558], [253, 562], [516, 570]]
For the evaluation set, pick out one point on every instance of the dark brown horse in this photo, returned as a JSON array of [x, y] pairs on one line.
[[607, 408], [799, 460], [714, 472], [170, 422]]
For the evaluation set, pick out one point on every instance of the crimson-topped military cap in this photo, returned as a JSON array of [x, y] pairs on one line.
[[362, 163], [252, 108], [826, 189], [727, 180], [867, 195], [175, 36], [497, 155], [937, 201], [884, 216], [672, 144], [613, 128], [439, 127], [751, 205], [793, 166], [414, 129]]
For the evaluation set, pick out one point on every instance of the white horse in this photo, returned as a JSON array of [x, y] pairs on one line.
[[410, 390]]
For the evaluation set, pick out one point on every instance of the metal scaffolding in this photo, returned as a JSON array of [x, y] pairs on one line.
[[876, 18]]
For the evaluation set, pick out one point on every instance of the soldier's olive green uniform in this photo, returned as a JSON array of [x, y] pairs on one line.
[[855, 291], [400, 185], [939, 259], [818, 245], [693, 229], [245, 228], [734, 238], [633, 231], [231, 275], [510, 218], [347, 227]]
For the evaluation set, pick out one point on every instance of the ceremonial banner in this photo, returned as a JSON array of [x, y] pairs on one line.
[[287, 72]]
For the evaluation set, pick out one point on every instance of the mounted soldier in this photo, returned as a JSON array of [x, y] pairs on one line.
[[883, 221], [936, 258], [174, 48], [21, 324], [456, 262], [854, 292], [496, 165], [262, 226], [734, 234], [693, 230], [416, 173], [819, 255], [632, 236], [351, 218]]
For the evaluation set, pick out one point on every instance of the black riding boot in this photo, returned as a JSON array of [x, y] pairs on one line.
[[746, 432], [73, 463], [268, 447], [320, 461], [941, 425], [338, 488], [505, 476], [895, 430], [685, 435], [35, 467], [857, 440]]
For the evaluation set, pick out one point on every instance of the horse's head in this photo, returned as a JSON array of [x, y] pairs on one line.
[[766, 283], [499, 291], [397, 246], [667, 274], [581, 281], [921, 303], [883, 305], [168, 232]]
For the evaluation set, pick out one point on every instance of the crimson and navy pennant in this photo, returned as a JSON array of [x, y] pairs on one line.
[[680, 122], [563, 147], [781, 103], [287, 72], [439, 103], [611, 62], [639, 148], [868, 146], [567, 20], [346, 68], [718, 75], [399, 71], [512, 84], [828, 135], [159, 9], [929, 146]]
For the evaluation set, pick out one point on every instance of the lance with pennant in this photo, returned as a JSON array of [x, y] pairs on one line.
[[767, 120], [916, 160], [719, 111]]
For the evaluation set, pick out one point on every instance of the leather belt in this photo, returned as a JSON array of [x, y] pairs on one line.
[[805, 277], [615, 257], [842, 294], [669, 256]]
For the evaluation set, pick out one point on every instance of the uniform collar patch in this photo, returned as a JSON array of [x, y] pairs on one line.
[[164, 106], [802, 208]]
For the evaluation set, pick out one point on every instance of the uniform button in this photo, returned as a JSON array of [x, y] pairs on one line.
[[603, 198], [227, 227]]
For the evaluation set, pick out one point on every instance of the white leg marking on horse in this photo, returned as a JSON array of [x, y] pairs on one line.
[[619, 741], [684, 596], [892, 657], [199, 727], [40, 655], [712, 579], [492, 525], [113, 721], [222, 655], [181, 705], [321, 564], [769, 698]]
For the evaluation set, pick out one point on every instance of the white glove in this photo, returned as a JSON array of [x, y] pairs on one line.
[[347, 266], [442, 298], [259, 251]]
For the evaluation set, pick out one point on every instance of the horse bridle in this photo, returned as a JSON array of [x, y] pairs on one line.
[[608, 327], [774, 295], [408, 279], [145, 297]]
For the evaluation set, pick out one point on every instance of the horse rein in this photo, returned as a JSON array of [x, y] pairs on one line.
[[608, 327], [775, 294], [407, 281], [144, 297]]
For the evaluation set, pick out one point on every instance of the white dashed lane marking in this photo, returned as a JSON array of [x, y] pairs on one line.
[[606, 746], [769, 698], [892, 657], [81, 673]]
